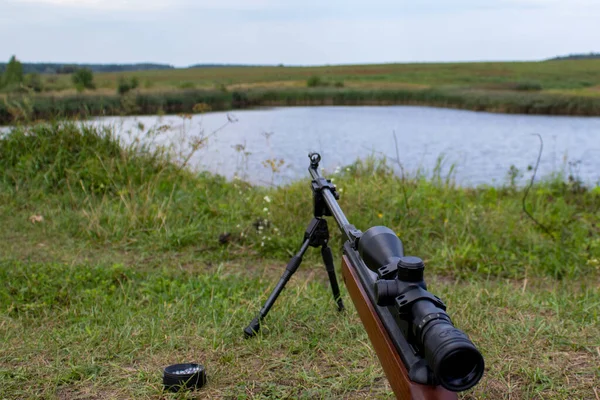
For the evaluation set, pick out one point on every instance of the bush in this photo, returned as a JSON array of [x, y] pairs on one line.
[[528, 86], [34, 82], [134, 82], [83, 78], [317, 81], [124, 85], [314, 81], [186, 85]]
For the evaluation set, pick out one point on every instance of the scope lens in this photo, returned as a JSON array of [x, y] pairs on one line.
[[455, 360], [460, 368]]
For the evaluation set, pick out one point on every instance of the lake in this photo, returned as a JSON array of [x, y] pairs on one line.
[[481, 146]]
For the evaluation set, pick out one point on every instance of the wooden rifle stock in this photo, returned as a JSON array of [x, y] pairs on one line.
[[388, 356]]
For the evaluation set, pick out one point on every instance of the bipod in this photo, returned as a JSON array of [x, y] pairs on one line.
[[316, 235]]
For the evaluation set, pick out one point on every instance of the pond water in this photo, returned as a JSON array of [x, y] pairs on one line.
[[479, 147]]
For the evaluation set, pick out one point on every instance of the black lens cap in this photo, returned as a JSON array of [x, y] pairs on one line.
[[186, 376]]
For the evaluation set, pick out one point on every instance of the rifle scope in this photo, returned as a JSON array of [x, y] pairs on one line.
[[454, 359]]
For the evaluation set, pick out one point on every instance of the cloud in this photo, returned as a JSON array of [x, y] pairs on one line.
[[184, 32]]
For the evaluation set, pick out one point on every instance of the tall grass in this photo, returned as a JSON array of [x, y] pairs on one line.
[[20, 108], [95, 188]]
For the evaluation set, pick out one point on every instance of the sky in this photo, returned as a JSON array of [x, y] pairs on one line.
[[295, 32]]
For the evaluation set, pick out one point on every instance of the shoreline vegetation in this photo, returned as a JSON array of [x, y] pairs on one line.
[[564, 87], [16, 109], [116, 261]]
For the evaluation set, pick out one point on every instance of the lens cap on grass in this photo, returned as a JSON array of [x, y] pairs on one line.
[[186, 376]]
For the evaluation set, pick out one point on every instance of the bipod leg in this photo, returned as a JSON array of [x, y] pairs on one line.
[[252, 329], [328, 261]]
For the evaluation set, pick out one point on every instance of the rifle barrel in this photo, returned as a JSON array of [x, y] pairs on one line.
[[340, 218]]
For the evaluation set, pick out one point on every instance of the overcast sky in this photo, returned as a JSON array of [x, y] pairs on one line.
[[299, 32]]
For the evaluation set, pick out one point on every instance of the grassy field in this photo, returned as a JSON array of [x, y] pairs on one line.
[[115, 262], [548, 87], [577, 76]]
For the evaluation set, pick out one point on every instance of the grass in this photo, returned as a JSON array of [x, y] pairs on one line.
[[570, 87], [565, 75], [112, 267]]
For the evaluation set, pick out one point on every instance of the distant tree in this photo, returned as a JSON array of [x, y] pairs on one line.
[[13, 75], [83, 78]]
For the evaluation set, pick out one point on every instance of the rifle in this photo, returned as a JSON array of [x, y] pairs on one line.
[[422, 354]]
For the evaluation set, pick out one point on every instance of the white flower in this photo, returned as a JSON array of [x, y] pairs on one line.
[[260, 228], [276, 230], [267, 199], [347, 169], [238, 226], [262, 244], [332, 180], [265, 209], [340, 190]]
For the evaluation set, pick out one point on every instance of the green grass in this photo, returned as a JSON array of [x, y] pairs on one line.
[[553, 87], [571, 74], [122, 273]]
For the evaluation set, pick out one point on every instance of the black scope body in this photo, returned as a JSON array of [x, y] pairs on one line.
[[455, 361]]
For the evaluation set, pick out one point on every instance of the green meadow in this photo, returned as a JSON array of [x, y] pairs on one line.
[[116, 261], [566, 87]]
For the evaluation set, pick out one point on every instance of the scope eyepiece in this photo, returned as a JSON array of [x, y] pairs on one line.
[[454, 359]]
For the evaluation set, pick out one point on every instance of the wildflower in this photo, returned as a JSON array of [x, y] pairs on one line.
[[267, 199], [380, 215], [347, 169], [238, 226], [337, 170], [340, 190], [262, 244], [332, 180], [276, 230], [36, 218], [265, 209]]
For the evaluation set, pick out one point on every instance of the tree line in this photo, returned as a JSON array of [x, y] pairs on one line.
[[588, 56], [14, 78], [64, 68]]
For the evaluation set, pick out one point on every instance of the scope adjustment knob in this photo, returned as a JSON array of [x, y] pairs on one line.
[[410, 269]]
